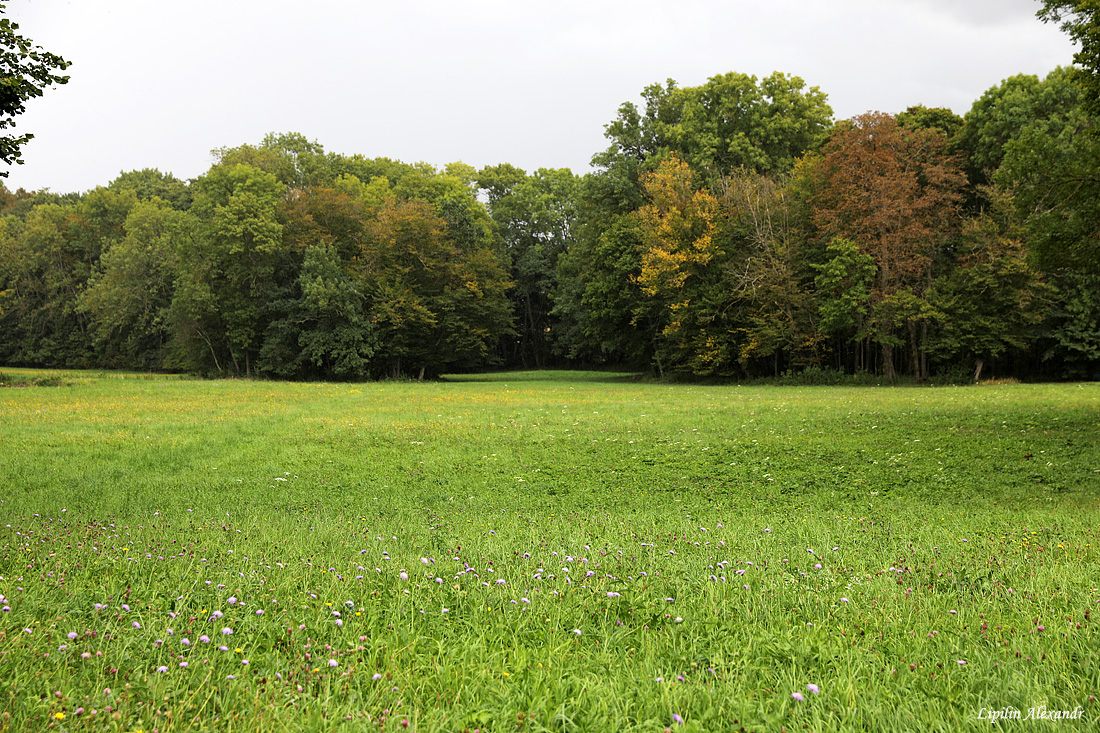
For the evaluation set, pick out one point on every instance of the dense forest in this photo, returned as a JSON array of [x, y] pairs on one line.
[[732, 229]]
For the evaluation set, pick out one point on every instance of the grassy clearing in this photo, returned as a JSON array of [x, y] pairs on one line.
[[545, 551]]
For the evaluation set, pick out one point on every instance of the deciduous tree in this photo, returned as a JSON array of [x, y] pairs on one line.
[[678, 228], [435, 303], [129, 297], [26, 70], [1003, 112], [769, 274], [46, 262], [896, 193], [992, 300], [1080, 19], [535, 217], [228, 272]]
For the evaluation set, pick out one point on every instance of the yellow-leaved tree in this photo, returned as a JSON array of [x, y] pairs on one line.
[[679, 275]]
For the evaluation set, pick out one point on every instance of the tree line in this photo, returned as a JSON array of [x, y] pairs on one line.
[[732, 229]]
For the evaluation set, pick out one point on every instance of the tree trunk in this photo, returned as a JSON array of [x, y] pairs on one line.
[[914, 353], [888, 363], [210, 345], [923, 352], [421, 377], [978, 364], [533, 336]]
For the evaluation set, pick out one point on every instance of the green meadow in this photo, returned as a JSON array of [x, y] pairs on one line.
[[546, 551]]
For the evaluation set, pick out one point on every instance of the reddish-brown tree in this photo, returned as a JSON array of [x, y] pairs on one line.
[[896, 193]]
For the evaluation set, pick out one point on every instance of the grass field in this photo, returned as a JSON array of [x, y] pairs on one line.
[[546, 551]]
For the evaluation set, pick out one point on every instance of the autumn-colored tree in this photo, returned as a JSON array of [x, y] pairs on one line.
[[435, 303], [896, 193], [678, 228], [733, 121], [327, 215]]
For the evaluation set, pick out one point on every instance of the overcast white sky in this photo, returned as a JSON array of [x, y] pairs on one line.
[[158, 84]]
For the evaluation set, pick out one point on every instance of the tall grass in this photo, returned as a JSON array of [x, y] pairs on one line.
[[545, 551]]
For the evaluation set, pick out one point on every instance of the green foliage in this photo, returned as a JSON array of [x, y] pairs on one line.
[[919, 117], [327, 330], [1075, 328], [150, 183], [291, 158], [229, 270], [732, 121], [785, 242], [1003, 112], [993, 300], [47, 261], [535, 218], [818, 376], [598, 302], [26, 71], [1080, 20], [1050, 170], [130, 296], [844, 287]]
